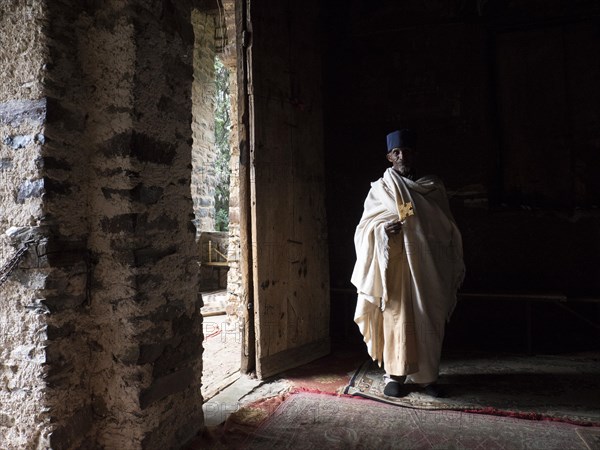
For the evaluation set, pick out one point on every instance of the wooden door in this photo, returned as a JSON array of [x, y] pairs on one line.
[[290, 273]]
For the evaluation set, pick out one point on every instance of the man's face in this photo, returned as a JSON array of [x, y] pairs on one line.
[[403, 160]]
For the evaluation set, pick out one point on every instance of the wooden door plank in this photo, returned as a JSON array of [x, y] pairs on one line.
[[248, 350], [290, 261]]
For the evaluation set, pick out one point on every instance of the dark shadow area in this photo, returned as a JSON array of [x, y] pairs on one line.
[[504, 100], [523, 327]]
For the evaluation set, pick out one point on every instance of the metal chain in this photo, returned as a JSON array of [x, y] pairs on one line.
[[13, 262]]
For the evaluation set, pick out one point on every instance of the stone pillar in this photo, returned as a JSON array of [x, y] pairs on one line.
[[108, 298]]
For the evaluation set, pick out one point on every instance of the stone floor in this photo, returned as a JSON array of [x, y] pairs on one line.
[[329, 374], [222, 346]]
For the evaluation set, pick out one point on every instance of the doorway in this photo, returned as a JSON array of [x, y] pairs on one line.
[[277, 226], [214, 178]]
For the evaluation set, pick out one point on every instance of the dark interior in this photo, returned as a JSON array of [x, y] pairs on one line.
[[504, 96]]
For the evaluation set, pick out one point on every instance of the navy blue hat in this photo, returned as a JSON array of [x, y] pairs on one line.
[[401, 139]]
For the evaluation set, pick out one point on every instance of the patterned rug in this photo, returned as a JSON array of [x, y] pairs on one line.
[[314, 421], [532, 387]]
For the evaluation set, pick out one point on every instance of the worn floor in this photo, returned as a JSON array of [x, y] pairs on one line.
[[235, 415], [222, 346], [312, 421]]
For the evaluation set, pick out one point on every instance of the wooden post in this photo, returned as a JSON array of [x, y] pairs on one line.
[[248, 362]]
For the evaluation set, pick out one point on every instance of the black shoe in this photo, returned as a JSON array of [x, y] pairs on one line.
[[433, 390], [394, 389]]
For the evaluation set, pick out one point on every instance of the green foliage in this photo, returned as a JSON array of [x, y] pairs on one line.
[[222, 131]]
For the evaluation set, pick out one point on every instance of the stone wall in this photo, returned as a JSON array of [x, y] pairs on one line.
[[235, 308], [204, 153], [24, 415], [101, 329]]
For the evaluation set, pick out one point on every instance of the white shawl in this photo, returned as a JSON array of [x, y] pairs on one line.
[[433, 248]]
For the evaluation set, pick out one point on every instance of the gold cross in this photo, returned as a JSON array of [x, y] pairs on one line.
[[405, 210]]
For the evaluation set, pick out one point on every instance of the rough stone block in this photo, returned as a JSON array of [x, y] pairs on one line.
[[148, 195], [67, 257], [6, 421], [151, 352], [162, 223], [50, 163], [17, 142], [64, 303], [189, 350], [117, 146], [119, 223], [168, 312], [151, 255], [18, 112], [168, 385], [57, 332], [30, 189], [61, 117], [54, 187], [129, 355], [148, 149], [6, 164], [75, 430]]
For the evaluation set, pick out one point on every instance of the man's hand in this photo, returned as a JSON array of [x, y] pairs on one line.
[[393, 227]]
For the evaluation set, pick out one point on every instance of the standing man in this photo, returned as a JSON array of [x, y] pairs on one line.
[[408, 269]]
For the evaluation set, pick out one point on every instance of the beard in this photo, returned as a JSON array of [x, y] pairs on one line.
[[404, 169]]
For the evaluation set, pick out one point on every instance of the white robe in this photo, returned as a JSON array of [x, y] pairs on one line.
[[407, 283]]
